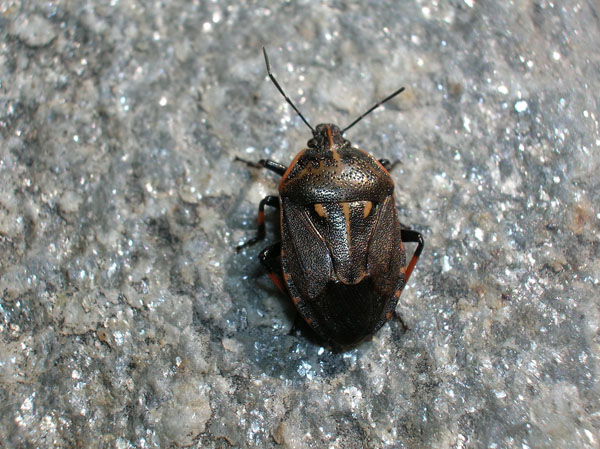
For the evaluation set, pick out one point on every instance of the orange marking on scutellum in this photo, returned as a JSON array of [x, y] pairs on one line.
[[388, 315], [397, 293], [320, 210], [367, 211]]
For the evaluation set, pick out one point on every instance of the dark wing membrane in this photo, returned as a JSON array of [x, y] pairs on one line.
[[349, 313], [305, 256]]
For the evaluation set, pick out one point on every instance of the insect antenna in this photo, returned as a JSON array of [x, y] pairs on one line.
[[283, 93], [370, 110]]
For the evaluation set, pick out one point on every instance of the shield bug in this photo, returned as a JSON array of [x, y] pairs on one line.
[[341, 257]]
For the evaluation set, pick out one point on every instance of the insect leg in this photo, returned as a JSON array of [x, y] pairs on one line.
[[296, 324], [272, 201], [408, 235], [265, 163], [268, 257], [386, 163], [389, 166]]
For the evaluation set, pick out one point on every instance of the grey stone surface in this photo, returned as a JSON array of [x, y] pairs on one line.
[[128, 321]]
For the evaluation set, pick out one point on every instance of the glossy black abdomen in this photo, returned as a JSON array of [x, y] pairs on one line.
[[350, 313]]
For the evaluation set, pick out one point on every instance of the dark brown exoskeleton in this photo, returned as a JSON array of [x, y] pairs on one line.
[[341, 257]]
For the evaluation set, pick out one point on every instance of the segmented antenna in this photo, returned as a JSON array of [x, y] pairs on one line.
[[371, 110], [283, 93]]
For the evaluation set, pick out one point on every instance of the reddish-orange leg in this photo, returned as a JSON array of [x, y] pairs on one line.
[[409, 235]]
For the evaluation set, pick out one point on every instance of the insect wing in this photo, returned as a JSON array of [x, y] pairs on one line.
[[305, 257], [387, 257]]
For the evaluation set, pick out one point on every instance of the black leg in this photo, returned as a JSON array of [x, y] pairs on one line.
[[269, 257], [265, 163], [408, 235], [389, 166], [296, 324], [386, 163], [272, 201]]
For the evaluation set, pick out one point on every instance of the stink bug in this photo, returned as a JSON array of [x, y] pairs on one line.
[[341, 257]]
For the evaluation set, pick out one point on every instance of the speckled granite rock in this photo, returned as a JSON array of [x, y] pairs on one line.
[[126, 318]]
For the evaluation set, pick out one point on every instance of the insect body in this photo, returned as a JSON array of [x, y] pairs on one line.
[[341, 257]]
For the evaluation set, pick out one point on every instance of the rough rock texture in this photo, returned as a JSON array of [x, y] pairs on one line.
[[128, 321]]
